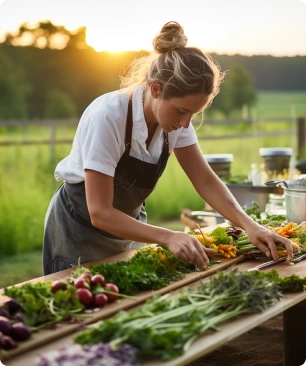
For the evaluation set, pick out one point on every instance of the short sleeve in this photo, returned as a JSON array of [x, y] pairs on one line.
[[186, 137], [101, 145]]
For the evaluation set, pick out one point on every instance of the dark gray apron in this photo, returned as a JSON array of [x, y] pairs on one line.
[[69, 234]]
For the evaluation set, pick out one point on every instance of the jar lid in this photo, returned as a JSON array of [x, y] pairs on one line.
[[219, 158], [275, 151], [276, 197]]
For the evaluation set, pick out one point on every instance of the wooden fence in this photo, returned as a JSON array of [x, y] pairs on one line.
[[297, 131]]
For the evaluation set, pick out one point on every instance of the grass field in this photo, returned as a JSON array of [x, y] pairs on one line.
[[27, 183]]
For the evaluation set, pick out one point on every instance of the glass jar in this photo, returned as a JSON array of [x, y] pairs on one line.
[[276, 205]]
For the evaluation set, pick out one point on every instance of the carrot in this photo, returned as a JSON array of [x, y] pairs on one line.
[[226, 247], [232, 254], [226, 255]]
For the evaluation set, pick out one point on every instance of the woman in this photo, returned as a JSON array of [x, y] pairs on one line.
[[121, 149]]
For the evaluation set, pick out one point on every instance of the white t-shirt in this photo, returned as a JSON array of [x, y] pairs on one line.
[[99, 141]]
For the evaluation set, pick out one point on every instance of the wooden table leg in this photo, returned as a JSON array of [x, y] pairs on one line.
[[294, 321]]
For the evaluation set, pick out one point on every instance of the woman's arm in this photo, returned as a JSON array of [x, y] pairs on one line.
[[99, 196], [215, 192]]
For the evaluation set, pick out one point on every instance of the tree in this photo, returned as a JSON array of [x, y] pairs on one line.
[[14, 90], [47, 35], [59, 105], [236, 91]]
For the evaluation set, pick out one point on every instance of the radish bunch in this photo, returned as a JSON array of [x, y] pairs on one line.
[[91, 290], [12, 330]]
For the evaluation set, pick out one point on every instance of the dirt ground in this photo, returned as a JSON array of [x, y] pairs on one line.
[[262, 346]]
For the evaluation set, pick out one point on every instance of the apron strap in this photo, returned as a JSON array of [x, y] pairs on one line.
[[166, 143], [129, 128]]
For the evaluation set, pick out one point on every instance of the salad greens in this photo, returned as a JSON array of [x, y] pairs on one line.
[[41, 307], [269, 220]]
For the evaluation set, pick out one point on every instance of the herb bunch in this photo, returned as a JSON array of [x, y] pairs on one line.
[[166, 326], [144, 271]]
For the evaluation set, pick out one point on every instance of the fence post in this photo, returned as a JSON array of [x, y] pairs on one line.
[[52, 142], [301, 138]]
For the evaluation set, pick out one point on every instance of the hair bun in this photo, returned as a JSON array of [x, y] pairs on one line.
[[170, 37]]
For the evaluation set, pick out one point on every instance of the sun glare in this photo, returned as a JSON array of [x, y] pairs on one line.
[[114, 42]]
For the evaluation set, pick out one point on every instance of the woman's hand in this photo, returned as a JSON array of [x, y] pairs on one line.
[[189, 249], [266, 240]]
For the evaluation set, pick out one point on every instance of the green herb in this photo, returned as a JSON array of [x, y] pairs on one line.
[[302, 237], [220, 234], [253, 212], [144, 271], [274, 220], [166, 326], [41, 307]]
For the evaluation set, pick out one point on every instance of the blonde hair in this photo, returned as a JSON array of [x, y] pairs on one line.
[[180, 70]]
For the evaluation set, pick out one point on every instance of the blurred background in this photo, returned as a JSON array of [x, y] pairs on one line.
[[58, 56]]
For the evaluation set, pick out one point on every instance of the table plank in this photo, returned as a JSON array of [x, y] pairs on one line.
[[62, 329]]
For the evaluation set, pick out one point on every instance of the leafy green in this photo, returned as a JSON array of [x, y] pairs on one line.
[[40, 306], [144, 271], [274, 220], [220, 234], [253, 212], [302, 237]]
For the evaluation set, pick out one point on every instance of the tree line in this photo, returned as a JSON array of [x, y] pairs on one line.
[[40, 80]]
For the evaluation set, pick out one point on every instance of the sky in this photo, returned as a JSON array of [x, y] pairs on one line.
[[274, 27]]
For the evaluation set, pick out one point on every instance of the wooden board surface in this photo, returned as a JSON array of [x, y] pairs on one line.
[[48, 335], [211, 340]]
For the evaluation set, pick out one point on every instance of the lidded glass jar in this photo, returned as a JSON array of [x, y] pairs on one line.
[[276, 205]]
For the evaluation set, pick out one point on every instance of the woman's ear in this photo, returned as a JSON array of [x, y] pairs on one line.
[[155, 90]]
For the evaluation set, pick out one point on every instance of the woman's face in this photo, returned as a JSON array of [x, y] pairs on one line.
[[175, 113]]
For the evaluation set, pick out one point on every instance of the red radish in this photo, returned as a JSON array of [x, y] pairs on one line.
[[97, 279], [85, 296], [86, 275], [58, 285], [82, 283], [111, 287], [100, 300]]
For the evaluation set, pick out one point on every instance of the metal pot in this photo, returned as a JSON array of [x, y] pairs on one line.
[[245, 194], [295, 198]]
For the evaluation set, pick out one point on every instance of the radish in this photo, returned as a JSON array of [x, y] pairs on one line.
[[21, 332], [100, 300], [8, 343], [4, 313], [85, 296], [97, 279], [113, 288], [1, 340], [12, 305], [86, 276], [58, 285], [5, 325], [82, 283]]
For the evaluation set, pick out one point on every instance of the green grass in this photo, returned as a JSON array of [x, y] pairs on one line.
[[20, 267], [278, 104]]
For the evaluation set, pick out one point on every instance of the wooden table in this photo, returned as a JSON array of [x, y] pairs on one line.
[[293, 307]]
